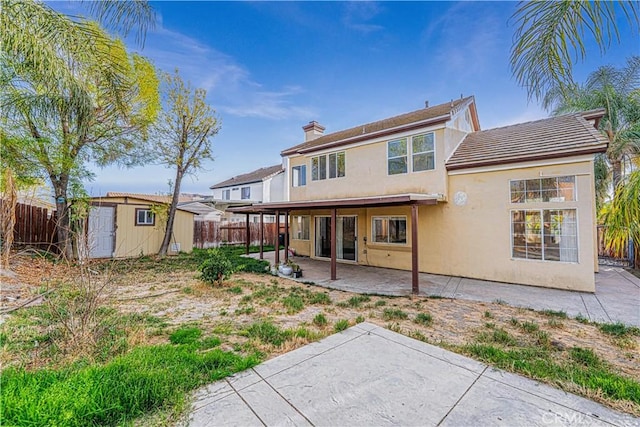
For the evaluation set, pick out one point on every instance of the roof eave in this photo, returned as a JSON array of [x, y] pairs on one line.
[[600, 148], [384, 132]]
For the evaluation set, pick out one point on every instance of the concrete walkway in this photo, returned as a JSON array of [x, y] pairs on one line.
[[369, 376], [617, 296]]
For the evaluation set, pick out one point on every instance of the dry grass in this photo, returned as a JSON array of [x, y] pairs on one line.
[[178, 297]]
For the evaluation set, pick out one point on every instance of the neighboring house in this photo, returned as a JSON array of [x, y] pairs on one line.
[[260, 186], [428, 191], [202, 211], [128, 225]]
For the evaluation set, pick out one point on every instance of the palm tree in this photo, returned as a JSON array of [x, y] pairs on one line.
[[622, 217], [550, 37], [617, 91], [69, 94]]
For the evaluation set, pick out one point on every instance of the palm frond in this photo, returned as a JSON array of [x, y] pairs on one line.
[[549, 38]]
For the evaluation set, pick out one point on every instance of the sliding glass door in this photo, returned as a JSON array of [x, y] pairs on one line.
[[346, 237]]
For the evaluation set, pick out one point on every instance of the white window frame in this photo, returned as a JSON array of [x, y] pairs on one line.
[[242, 193], [410, 154], [149, 217], [405, 156], [540, 199], [226, 194], [432, 151], [299, 176], [387, 218], [301, 223], [542, 236], [325, 159]]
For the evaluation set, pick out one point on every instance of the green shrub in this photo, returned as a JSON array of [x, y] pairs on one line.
[[423, 319], [341, 325], [216, 267], [380, 303], [529, 327], [320, 320], [185, 335], [359, 319]]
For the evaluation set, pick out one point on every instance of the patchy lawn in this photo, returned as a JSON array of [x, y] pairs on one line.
[[150, 302]]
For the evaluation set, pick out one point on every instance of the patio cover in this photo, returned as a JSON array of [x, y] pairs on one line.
[[410, 199]]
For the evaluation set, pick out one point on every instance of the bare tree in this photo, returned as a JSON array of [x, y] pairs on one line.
[[182, 136]]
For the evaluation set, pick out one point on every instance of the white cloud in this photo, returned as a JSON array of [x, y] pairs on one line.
[[229, 84], [357, 15]]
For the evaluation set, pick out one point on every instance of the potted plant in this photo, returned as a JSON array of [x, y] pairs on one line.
[[286, 269], [296, 270]]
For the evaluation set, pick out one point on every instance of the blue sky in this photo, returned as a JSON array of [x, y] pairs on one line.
[[271, 67]]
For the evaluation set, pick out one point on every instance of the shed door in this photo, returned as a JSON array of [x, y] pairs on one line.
[[101, 231]]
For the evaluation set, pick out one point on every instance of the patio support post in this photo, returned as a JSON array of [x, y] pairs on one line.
[[247, 235], [415, 286], [286, 236], [277, 260], [333, 244], [261, 235]]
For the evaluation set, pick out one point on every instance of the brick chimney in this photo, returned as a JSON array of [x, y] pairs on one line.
[[312, 131]]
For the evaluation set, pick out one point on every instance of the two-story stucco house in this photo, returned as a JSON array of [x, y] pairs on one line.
[[428, 191], [263, 185]]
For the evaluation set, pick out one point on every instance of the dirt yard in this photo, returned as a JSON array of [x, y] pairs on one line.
[[178, 297]]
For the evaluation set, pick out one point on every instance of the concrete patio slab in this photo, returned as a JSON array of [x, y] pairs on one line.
[[369, 376], [617, 296]]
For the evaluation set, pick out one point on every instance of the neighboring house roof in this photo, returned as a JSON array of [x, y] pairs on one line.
[[555, 137], [425, 116], [199, 208], [247, 178]]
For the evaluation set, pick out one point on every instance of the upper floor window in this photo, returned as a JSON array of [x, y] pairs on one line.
[[145, 217], [555, 189], [397, 156], [245, 193], [336, 166], [299, 176], [226, 194], [421, 151]]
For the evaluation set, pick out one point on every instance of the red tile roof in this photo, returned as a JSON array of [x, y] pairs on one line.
[[561, 136]]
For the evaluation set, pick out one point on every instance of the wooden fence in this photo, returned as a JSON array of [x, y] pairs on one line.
[[35, 227], [208, 234]]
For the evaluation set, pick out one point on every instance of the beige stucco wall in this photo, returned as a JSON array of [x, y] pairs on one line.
[[474, 240], [135, 240], [366, 171]]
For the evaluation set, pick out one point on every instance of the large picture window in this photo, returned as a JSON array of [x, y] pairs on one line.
[[300, 227], [334, 162], [545, 234], [389, 229], [145, 217], [554, 189]]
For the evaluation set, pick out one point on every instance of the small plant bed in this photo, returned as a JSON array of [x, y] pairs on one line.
[[161, 308]]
